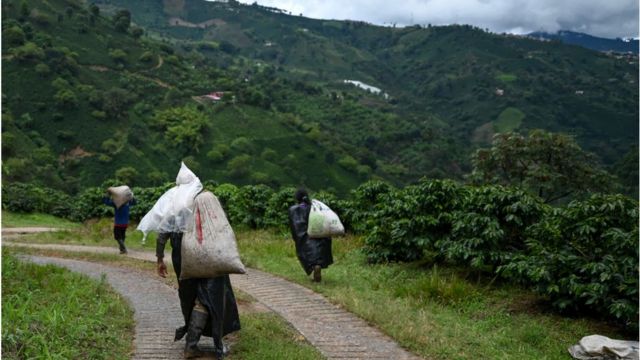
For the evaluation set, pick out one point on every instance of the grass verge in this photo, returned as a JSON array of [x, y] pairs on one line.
[[435, 312], [95, 232], [10, 219], [52, 313]]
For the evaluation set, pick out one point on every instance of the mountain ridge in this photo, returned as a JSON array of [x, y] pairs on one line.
[[590, 41]]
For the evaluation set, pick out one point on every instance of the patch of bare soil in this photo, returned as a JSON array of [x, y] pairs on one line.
[[75, 153]]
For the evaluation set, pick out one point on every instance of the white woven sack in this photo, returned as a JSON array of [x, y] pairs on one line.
[[323, 222], [209, 249], [120, 195]]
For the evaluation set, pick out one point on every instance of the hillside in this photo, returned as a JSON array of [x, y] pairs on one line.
[[96, 101], [452, 86], [120, 95]]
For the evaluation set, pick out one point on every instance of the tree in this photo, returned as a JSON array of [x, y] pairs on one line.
[[116, 102], [118, 56], [94, 9], [183, 127], [137, 32], [239, 165], [13, 36], [549, 165], [66, 98], [122, 20], [126, 174]]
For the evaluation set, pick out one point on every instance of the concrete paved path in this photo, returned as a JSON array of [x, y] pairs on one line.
[[336, 333]]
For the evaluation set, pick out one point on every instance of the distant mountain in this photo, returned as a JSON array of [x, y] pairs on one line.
[[590, 42]]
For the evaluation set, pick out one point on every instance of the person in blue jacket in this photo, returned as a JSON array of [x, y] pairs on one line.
[[120, 221]]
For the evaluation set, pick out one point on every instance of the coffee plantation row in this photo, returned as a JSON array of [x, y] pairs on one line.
[[582, 256]]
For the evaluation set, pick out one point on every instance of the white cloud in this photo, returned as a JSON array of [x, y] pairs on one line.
[[605, 18]]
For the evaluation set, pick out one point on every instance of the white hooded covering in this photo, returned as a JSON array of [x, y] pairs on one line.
[[173, 212]]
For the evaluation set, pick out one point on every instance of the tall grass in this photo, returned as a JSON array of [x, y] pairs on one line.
[[52, 313], [436, 312]]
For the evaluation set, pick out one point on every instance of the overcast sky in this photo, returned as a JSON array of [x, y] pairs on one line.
[[604, 18]]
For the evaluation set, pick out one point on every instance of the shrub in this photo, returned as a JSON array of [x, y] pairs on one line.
[[42, 70], [269, 154], [239, 165], [361, 208], [242, 144], [146, 57], [65, 98], [277, 211], [27, 198], [127, 174], [215, 156], [28, 52], [585, 257], [227, 194], [489, 227], [118, 56], [13, 36], [251, 201], [406, 223]]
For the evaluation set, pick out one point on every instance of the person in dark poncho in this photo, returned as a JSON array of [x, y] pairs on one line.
[[208, 305], [314, 254]]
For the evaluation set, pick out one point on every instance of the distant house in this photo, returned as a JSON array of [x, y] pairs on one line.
[[579, 92], [499, 92], [215, 96]]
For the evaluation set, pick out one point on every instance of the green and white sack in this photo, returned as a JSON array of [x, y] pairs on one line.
[[323, 222], [209, 247], [120, 195]]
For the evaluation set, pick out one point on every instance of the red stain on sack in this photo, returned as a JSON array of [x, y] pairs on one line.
[[199, 226]]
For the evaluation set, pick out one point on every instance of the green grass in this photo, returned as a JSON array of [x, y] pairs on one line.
[[95, 232], [434, 312], [52, 313], [10, 219], [267, 336], [509, 119]]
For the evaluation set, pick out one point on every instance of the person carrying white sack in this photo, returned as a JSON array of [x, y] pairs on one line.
[[314, 254], [208, 304], [121, 199]]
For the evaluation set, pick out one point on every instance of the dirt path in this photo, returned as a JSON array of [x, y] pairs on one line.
[[336, 333]]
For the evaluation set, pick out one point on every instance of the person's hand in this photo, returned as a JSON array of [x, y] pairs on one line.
[[161, 268]]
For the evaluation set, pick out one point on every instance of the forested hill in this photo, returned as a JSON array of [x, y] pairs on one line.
[[119, 89], [86, 98], [450, 87]]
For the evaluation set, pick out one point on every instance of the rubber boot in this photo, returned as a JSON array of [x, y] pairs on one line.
[[123, 249], [220, 349], [317, 275], [196, 325]]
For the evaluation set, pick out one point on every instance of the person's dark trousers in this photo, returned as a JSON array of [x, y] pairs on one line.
[[119, 233]]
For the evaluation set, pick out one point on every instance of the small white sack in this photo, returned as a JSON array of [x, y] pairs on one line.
[[120, 195], [209, 248], [323, 222], [598, 347]]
